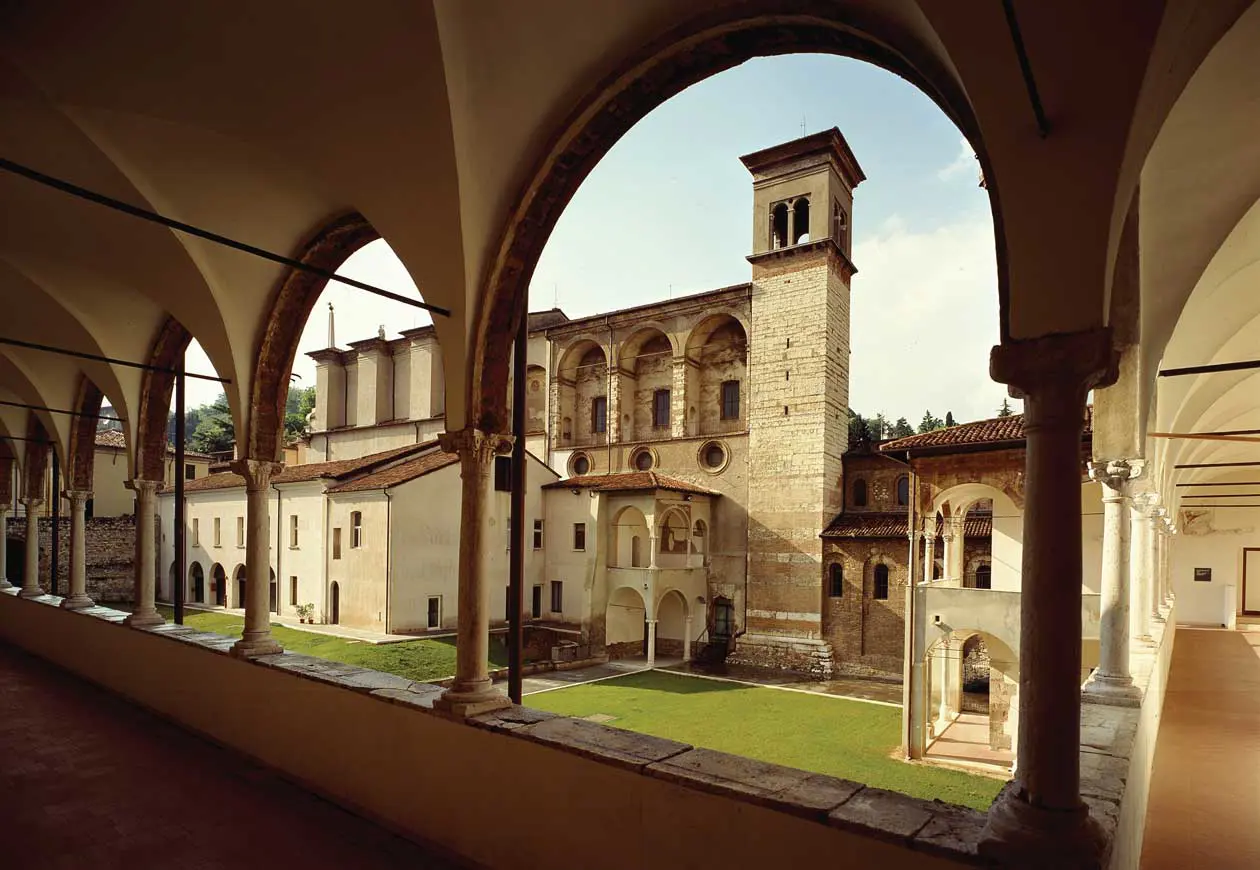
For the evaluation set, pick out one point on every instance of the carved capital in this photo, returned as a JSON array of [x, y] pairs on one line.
[[78, 498], [143, 488], [1114, 474], [257, 472], [1055, 372], [31, 503], [474, 447]]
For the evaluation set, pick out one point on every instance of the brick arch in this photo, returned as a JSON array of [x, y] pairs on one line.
[[36, 465], [698, 49], [150, 442], [294, 298], [83, 436]]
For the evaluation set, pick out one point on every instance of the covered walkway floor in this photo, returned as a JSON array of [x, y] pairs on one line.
[[90, 780], [1204, 809]]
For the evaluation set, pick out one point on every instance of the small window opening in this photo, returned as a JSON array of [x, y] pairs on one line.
[[660, 408], [557, 596], [599, 415], [730, 400], [903, 490], [503, 474], [538, 534], [800, 221], [779, 226], [859, 493], [881, 582], [579, 536], [356, 530], [835, 581]]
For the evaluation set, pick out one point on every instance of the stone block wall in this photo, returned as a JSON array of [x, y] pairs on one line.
[[110, 543], [867, 634]]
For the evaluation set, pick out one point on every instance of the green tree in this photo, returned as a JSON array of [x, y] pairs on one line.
[[902, 428], [930, 423], [214, 430], [949, 419], [1005, 410], [880, 427], [297, 407], [859, 428]]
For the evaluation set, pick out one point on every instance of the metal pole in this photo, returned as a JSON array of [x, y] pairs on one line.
[[516, 562], [181, 542], [96, 357], [56, 524]]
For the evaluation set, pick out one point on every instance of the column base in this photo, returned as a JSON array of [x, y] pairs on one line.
[[461, 705], [143, 619], [1019, 834], [1116, 691], [30, 592], [5, 584], [252, 647], [77, 602]]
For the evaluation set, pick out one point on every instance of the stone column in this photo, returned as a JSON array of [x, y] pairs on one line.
[[678, 399], [30, 572], [1156, 521], [472, 692], [1112, 682], [929, 549], [4, 547], [78, 597], [256, 639], [144, 613], [687, 639], [1165, 599], [1039, 819], [960, 550], [947, 535], [1139, 567], [651, 650], [942, 675], [652, 543]]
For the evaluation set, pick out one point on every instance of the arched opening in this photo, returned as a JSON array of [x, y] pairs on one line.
[[800, 221], [673, 540], [218, 584], [196, 584], [779, 226], [240, 575], [859, 492], [903, 490], [630, 534], [671, 626], [700, 541], [582, 395], [334, 603], [880, 589], [624, 624], [717, 375], [645, 371], [973, 694], [273, 597]]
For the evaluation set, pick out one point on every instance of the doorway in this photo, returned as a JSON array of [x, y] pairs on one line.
[[1251, 581], [335, 618]]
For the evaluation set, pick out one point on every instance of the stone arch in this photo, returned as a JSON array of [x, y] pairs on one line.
[[155, 400], [196, 583], [218, 584], [673, 537], [672, 611], [630, 524], [38, 445], [624, 622], [293, 299], [581, 381], [83, 436], [645, 365], [709, 43], [717, 354]]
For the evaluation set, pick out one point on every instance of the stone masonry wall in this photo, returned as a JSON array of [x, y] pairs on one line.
[[867, 634], [110, 544]]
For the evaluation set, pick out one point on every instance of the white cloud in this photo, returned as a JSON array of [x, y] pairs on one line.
[[964, 163], [924, 315]]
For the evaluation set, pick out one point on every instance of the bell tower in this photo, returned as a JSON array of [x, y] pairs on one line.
[[799, 377]]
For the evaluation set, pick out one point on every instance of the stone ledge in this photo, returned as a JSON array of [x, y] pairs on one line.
[[614, 746]]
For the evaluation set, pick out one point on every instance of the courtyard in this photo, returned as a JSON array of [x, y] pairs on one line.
[[841, 737]]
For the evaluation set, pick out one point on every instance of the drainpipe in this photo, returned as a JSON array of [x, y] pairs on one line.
[[325, 556], [389, 554], [279, 541]]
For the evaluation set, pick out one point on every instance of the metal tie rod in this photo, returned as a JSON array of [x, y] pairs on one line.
[[60, 411], [17, 342], [1213, 368], [170, 223], [24, 438]]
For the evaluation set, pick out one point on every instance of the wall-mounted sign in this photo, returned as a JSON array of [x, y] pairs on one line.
[[1202, 575]]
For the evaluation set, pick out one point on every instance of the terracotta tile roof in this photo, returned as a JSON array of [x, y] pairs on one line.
[[398, 473], [885, 525], [630, 481], [336, 470], [993, 432], [114, 438]]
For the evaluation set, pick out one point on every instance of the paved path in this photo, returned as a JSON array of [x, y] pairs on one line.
[[1204, 808], [343, 631], [91, 781]]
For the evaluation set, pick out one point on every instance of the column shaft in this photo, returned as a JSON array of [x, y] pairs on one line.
[[78, 597], [1154, 521], [929, 549], [1112, 680], [651, 644], [144, 613], [473, 692], [4, 547], [1039, 820], [256, 639], [30, 565]]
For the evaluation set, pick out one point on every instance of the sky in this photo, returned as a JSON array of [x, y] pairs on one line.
[[668, 212]]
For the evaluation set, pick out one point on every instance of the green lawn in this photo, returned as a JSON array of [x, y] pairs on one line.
[[421, 660], [836, 736]]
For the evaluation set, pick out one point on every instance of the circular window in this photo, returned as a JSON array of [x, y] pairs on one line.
[[580, 464], [713, 456], [643, 460]]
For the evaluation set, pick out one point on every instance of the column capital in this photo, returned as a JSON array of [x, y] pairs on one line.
[[474, 445], [143, 487], [77, 497], [257, 472], [1070, 364], [1113, 474], [29, 503]]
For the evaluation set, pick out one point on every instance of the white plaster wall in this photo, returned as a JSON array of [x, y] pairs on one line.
[[1008, 548], [1091, 536], [306, 561], [364, 441], [1211, 539], [204, 507], [360, 572], [578, 570]]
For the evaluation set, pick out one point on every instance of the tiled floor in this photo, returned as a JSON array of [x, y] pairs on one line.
[[91, 781], [966, 741], [1204, 809]]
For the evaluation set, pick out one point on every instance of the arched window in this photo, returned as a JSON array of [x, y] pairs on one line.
[[903, 490], [779, 226], [859, 493], [835, 580], [800, 220], [881, 582], [984, 577]]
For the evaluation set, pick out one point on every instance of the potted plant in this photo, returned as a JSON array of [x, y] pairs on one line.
[[306, 613]]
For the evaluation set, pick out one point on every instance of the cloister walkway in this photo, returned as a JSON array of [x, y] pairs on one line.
[[92, 781], [1204, 809]]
